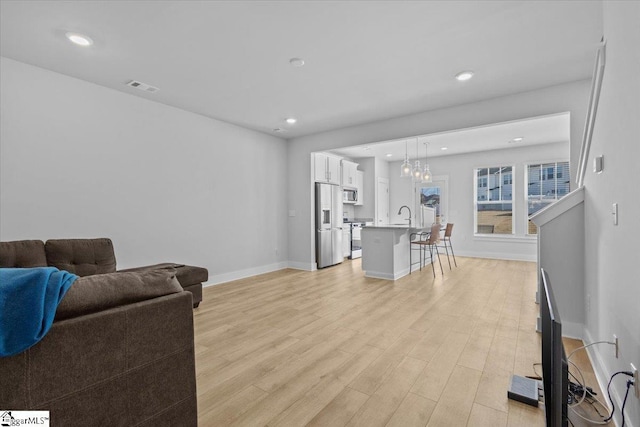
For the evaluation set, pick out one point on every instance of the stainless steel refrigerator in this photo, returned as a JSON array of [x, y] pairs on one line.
[[328, 225]]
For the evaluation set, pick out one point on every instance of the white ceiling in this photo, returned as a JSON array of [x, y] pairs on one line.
[[365, 60], [539, 130]]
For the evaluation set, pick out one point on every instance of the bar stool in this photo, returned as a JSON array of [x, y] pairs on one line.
[[416, 242], [432, 243], [447, 239]]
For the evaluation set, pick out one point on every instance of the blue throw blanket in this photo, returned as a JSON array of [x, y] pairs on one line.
[[29, 298]]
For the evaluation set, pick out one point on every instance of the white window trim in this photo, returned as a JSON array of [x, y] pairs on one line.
[[512, 238], [526, 188]]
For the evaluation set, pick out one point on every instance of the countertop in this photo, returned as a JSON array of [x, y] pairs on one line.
[[394, 227], [356, 220]]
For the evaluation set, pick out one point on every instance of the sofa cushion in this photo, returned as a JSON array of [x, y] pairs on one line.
[[83, 257], [99, 292], [22, 254]]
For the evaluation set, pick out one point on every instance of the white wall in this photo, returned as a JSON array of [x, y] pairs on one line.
[[459, 169], [571, 97], [612, 252], [81, 160]]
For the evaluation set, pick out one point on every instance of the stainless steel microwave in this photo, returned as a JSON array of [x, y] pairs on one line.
[[349, 196]]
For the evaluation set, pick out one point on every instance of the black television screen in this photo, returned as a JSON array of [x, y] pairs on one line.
[[555, 374]]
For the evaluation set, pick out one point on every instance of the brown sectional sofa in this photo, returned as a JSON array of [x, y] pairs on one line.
[[85, 257], [120, 351]]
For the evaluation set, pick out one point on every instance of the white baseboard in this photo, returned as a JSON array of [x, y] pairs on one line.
[[386, 276], [603, 375], [311, 266], [306, 266], [242, 274], [498, 255]]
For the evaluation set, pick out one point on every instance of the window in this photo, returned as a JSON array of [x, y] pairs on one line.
[[546, 183], [494, 206]]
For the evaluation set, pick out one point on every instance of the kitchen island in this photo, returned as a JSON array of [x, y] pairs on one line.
[[385, 251]]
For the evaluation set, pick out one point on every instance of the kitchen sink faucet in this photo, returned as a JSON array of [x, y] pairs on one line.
[[400, 211]]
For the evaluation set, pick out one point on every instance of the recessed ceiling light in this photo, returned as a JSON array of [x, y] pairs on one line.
[[296, 62], [464, 75], [291, 120], [389, 154], [79, 39], [444, 148], [518, 139]]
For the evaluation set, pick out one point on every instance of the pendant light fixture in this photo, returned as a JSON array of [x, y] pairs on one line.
[[426, 173], [417, 171], [405, 169]]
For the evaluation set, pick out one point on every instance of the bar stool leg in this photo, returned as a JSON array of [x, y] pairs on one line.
[[438, 252], [410, 252], [454, 255], [431, 255], [447, 250]]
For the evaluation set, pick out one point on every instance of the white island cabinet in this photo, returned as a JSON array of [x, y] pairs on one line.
[[385, 251]]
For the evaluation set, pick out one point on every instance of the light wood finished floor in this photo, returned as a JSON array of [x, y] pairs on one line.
[[333, 348]]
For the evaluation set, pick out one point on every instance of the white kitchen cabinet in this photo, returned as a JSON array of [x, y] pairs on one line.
[[326, 168], [320, 168], [349, 171], [333, 166], [360, 187]]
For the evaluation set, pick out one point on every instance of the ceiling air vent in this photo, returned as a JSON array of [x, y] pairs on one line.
[[142, 86]]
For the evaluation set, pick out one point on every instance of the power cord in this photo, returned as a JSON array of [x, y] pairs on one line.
[[629, 384], [583, 387], [624, 402], [537, 375], [577, 389], [589, 345]]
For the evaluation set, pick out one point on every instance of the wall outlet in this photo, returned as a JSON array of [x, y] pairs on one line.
[[636, 384], [615, 341]]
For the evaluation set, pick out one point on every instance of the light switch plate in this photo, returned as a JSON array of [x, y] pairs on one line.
[[598, 164], [614, 212]]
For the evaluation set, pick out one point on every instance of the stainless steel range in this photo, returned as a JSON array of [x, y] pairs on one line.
[[356, 238]]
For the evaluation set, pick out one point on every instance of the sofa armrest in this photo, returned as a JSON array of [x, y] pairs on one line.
[[163, 265], [91, 294], [128, 365]]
